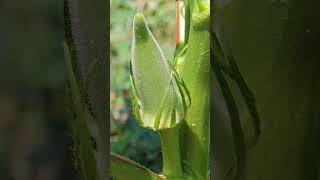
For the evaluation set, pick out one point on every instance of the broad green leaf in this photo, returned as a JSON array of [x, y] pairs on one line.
[[275, 47]]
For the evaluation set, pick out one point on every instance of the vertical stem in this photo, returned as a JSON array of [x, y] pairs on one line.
[[200, 5], [171, 152], [178, 2], [187, 17], [195, 71], [180, 27]]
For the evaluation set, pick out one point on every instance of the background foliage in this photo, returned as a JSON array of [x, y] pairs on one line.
[[34, 139]]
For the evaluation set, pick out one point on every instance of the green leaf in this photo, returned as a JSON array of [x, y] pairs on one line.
[[83, 148]]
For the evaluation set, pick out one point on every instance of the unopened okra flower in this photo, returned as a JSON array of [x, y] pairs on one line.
[[159, 96]]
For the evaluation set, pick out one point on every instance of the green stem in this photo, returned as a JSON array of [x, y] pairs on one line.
[[201, 6], [171, 152], [125, 169], [195, 71], [187, 21]]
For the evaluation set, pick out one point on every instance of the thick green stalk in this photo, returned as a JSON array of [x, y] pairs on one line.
[[125, 169], [171, 152], [195, 71], [201, 5]]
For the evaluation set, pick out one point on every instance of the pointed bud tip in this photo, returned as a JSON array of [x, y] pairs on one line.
[[140, 27], [139, 18]]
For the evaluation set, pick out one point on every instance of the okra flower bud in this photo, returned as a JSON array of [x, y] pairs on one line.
[[158, 93]]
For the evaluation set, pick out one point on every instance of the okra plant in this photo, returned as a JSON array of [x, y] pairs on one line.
[[172, 97]]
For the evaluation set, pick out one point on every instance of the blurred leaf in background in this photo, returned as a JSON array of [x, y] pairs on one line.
[[34, 139], [127, 138]]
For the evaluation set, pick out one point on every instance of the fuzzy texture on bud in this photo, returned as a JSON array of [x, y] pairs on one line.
[[158, 93]]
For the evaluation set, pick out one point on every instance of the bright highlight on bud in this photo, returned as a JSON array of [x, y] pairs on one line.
[[158, 93]]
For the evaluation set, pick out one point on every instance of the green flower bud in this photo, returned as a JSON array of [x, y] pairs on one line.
[[158, 93]]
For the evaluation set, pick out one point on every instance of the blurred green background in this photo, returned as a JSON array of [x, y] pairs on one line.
[[35, 143], [127, 138]]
